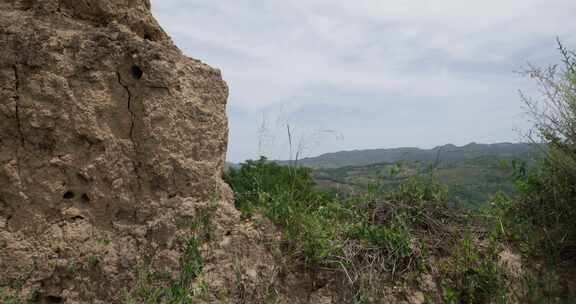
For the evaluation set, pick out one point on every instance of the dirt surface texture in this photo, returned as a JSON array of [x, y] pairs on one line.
[[108, 136]]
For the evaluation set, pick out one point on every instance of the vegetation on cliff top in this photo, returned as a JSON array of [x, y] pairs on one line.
[[407, 235]]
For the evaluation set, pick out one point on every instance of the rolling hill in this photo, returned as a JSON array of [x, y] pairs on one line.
[[445, 153], [472, 173]]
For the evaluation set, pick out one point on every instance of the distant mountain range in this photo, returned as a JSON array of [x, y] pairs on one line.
[[449, 153], [472, 173]]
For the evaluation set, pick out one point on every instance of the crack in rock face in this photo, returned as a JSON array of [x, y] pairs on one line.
[[106, 131]]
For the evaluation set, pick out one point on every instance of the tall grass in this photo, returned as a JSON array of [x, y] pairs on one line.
[[368, 240]]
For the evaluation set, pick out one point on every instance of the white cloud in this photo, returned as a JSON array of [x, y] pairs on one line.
[[302, 51]]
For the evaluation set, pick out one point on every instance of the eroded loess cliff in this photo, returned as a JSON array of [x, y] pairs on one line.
[[110, 139]]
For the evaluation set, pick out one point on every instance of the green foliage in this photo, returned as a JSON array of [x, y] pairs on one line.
[[542, 218], [391, 234], [367, 239], [392, 241], [472, 275], [396, 239], [104, 242], [93, 260], [159, 287], [256, 182], [378, 238], [287, 196], [314, 225], [447, 153], [421, 189], [8, 298], [191, 262], [202, 225], [469, 182], [72, 268]]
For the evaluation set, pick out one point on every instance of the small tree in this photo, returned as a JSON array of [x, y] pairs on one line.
[[549, 190]]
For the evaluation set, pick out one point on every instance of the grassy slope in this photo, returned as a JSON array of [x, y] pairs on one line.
[[470, 182], [402, 245]]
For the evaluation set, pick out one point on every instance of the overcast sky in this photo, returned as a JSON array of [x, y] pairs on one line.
[[369, 73]]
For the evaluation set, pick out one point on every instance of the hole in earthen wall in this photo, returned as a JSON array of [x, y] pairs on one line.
[[68, 195], [8, 218], [77, 218], [137, 72], [53, 300], [85, 198], [27, 4]]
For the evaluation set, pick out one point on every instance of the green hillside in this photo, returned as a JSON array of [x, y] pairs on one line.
[[449, 153], [472, 173]]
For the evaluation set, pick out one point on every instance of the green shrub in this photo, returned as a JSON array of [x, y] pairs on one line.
[[395, 237], [379, 236], [257, 181], [191, 262], [420, 189], [473, 276], [543, 217], [288, 197]]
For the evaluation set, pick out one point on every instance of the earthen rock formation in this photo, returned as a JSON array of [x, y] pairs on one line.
[[108, 134], [112, 147]]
